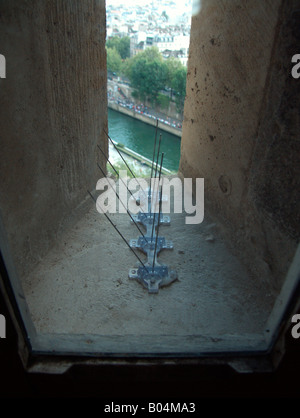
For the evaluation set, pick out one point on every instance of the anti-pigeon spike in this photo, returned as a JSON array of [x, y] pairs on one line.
[[123, 238], [124, 161], [154, 215], [107, 159], [124, 206], [149, 194]]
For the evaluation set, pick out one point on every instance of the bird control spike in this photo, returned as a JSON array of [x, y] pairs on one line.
[[152, 275], [121, 235], [159, 275]]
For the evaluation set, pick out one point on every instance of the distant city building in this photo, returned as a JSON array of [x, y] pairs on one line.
[[158, 23], [137, 42]]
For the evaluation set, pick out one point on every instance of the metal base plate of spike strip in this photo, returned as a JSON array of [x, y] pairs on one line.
[[152, 275], [147, 218], [153, 279], [147, 246]]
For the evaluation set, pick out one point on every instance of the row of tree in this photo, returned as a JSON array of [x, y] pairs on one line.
[[148, 72]]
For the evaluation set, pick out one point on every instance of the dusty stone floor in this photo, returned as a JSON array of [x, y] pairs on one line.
[[82, 285]]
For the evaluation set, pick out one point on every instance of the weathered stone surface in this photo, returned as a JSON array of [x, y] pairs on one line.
[[241, 129], [53, 111]]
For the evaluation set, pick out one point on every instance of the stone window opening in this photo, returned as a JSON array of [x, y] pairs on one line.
[[56, 249]]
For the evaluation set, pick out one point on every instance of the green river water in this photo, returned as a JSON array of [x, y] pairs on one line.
[[140, 137]]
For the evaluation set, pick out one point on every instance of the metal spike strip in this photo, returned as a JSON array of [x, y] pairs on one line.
[[151, 274], [121, 235], [156, 275]]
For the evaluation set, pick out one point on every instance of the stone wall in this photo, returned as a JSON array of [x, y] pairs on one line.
[[53, 111], [241, 129]]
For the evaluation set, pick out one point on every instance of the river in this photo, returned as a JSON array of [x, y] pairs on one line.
[[140, 137]]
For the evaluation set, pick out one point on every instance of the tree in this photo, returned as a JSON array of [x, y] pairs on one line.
[[163, 101], [148, 73], [122, 45], [152, 53], [126, 67], [114, 61], [173, 65], [179, 85]]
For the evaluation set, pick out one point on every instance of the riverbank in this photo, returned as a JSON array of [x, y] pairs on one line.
[[150, 121], [140, 164]]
